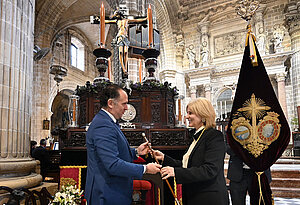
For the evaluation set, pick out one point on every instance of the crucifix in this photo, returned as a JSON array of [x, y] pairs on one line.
[[122, 37], [254, 108]]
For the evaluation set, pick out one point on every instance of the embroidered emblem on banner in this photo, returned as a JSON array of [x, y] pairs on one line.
[[255, 137]]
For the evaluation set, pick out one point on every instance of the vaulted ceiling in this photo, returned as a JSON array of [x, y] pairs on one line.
[[54, 15]]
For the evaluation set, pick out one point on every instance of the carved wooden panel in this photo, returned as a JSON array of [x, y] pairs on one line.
[[168, 138], [96, 107], [155, 111], [134, 138], [154, 106], [137, 106], [135, 97], [76, 139], [296, 139], [155, 97], [83, 113], [170, 112]]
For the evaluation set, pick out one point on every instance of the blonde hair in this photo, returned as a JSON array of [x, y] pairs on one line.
[[203, 109]]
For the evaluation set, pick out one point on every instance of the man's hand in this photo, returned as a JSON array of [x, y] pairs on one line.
[[143, 149], [152, 168], [159, 155], [167, 172]]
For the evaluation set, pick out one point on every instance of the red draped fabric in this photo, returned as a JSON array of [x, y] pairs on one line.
[[70, 175]]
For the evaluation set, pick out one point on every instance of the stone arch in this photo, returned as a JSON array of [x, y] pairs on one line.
[[64, 85], [59, 109], [166, 35], [219, 92], [223, 111]]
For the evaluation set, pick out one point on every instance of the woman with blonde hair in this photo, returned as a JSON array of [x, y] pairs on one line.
[[201, 171]]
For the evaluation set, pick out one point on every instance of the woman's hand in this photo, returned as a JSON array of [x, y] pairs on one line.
[[158, 154], [167, 172], [152, 168]]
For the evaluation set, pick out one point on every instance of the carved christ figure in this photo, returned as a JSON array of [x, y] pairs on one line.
[[122, 36]]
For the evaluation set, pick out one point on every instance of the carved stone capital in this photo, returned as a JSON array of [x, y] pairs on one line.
[[292, 17], [168, 74], [193, 90], [260, 12], [183, 13], [203, 27], [280, 77], [207, 87]]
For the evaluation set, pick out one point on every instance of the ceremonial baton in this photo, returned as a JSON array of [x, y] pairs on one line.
[[152, 153]]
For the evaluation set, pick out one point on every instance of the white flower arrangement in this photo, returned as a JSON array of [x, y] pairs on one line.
[[69, 195]]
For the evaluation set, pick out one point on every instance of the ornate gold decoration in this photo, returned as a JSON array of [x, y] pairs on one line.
[[255, 138], [67, 181]]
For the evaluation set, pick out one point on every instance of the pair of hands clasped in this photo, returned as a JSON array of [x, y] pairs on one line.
[[153, 168]]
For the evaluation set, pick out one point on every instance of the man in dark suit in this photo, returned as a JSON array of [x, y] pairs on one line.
[[40, 153], [240, 176], [110, 171]]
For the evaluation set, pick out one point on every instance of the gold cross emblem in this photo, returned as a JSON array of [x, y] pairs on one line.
[[255, 137]]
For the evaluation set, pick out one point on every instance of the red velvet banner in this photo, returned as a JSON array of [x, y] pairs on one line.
[[70, 175]]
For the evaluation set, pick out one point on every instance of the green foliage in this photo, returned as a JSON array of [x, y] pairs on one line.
[[152, 85], [91, 88], [294, 121]]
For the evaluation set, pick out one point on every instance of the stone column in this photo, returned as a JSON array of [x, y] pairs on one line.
[[280, 78], [292, 17], [207, 89], [168, 75], [260, 29], [204, 47], [193, 92], [179, 45], [16, 68]]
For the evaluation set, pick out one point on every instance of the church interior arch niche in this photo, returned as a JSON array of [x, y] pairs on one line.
[[59, 108]]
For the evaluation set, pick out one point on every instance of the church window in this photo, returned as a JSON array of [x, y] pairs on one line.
[[77, 53]]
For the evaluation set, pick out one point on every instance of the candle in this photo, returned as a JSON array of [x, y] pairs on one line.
[[179, 110], [109, 68], [102, 26], [150, 26], [74, 110], [140, 70]]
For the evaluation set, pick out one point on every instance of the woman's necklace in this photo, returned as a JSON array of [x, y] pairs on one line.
[[200, 136]]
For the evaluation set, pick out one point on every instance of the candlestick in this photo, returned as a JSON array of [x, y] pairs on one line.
[[74, 110], [102, 26], [179, 110], [150, 26], [109, 68], [140, 70]]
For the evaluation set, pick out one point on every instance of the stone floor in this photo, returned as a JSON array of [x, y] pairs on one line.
[[280, 201], [283, 165]]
